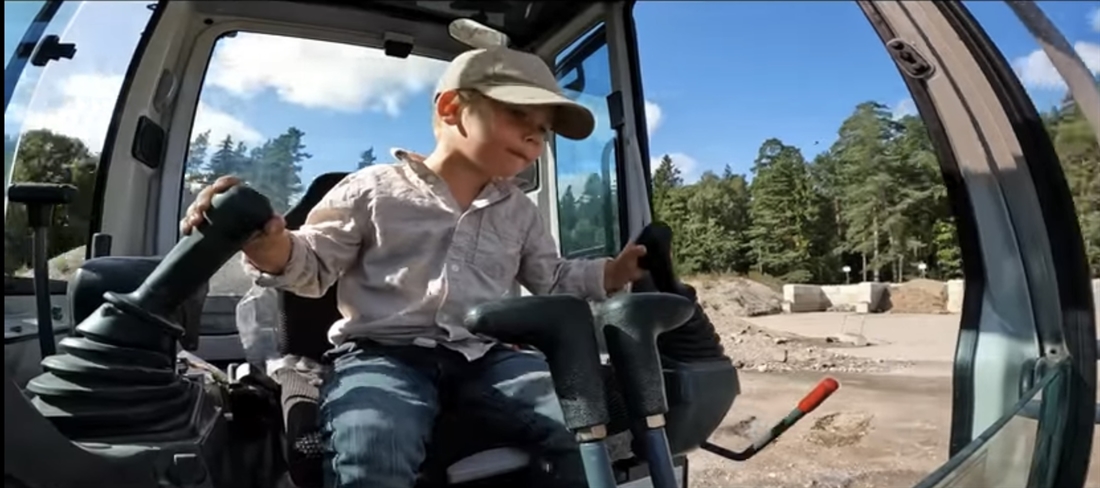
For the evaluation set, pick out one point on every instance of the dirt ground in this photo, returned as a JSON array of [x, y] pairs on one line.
[[918, 296], [888, 424]]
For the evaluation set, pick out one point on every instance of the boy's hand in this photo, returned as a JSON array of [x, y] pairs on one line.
[[624, 269], [268, 250]]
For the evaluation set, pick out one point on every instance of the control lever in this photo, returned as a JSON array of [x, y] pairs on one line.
[[234, 217], [811, 401], [127, 347], [40, 200], [631, 324], [561, 326], [657, 239]]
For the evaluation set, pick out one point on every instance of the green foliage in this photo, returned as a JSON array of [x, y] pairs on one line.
[[1077, 148], [273, 167], [589, 221], [874, 201], [45, 157]]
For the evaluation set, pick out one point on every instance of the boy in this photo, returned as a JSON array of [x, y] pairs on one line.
[[417, 243]]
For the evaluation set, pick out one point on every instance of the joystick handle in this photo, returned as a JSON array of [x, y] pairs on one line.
[[561, 327], [631, 324], [657, 239], [233, 218]]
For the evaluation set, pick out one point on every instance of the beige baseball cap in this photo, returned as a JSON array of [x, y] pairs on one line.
[[518, 78]]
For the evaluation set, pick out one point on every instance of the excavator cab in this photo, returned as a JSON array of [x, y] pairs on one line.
[[130, 373]]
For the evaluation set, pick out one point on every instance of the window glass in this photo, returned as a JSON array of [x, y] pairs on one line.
[[588, 211], [1073, 137], [56, 122]]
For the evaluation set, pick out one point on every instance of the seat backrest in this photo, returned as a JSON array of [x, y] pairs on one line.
[[304, 322]]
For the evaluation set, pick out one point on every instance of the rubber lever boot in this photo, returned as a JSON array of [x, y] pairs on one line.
[[234, 217], [560, 326], [40, 200], [631, 324], [116, 379]]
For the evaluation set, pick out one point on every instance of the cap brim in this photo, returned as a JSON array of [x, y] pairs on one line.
[[571, 121]]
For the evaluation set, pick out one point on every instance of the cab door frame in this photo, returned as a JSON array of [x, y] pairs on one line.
[[124, 204], [631, 165], [1000, 165]]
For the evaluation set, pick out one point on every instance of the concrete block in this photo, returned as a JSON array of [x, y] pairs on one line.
[[874, 294], [1096, 296], [865, 297], [955, 291], [804, 298]]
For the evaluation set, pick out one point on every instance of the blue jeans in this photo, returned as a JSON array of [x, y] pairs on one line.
[[379, 405]]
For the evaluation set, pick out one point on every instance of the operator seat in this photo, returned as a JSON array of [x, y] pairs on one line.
[[302, 334]]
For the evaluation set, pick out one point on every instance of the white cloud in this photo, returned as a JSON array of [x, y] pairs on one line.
[[652, 116], [1094, 20], [81, 106], [317, 74], [903, 108], [687, 165], [1036, 71], [221, 124]]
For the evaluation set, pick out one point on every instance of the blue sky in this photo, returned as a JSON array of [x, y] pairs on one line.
[[720, 77]]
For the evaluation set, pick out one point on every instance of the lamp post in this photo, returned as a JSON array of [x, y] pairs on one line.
[[847, 274]]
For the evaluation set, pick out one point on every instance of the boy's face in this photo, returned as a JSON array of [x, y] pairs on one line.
[[500, 139]]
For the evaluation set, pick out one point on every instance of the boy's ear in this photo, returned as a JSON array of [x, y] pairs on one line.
[[447, 107]]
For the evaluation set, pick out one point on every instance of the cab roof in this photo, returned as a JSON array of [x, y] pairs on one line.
[[525, 22]]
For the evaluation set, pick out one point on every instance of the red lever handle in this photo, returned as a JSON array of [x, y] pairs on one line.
[[822, 391]]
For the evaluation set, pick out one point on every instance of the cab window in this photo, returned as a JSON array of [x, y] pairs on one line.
[[588, 210], [56, 120], [280, 111]]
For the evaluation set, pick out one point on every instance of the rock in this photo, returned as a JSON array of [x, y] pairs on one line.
[[763, 368], [854, 339], [781, 340]]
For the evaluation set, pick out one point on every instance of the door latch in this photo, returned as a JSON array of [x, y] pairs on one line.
[[909, 59], [52, 49]]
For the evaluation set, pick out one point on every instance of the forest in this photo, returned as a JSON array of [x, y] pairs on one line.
[[874, 201]]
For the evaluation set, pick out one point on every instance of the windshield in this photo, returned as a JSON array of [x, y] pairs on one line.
[[279, 111]]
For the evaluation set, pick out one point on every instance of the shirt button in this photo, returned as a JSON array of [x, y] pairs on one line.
[[454, 267]]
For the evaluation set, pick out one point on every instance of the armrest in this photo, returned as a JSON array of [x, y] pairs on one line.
[[561, 326]]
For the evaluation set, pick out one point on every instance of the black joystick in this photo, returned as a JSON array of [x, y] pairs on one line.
[[631, 324], [561, 327], [118, 376], [657, 239]]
